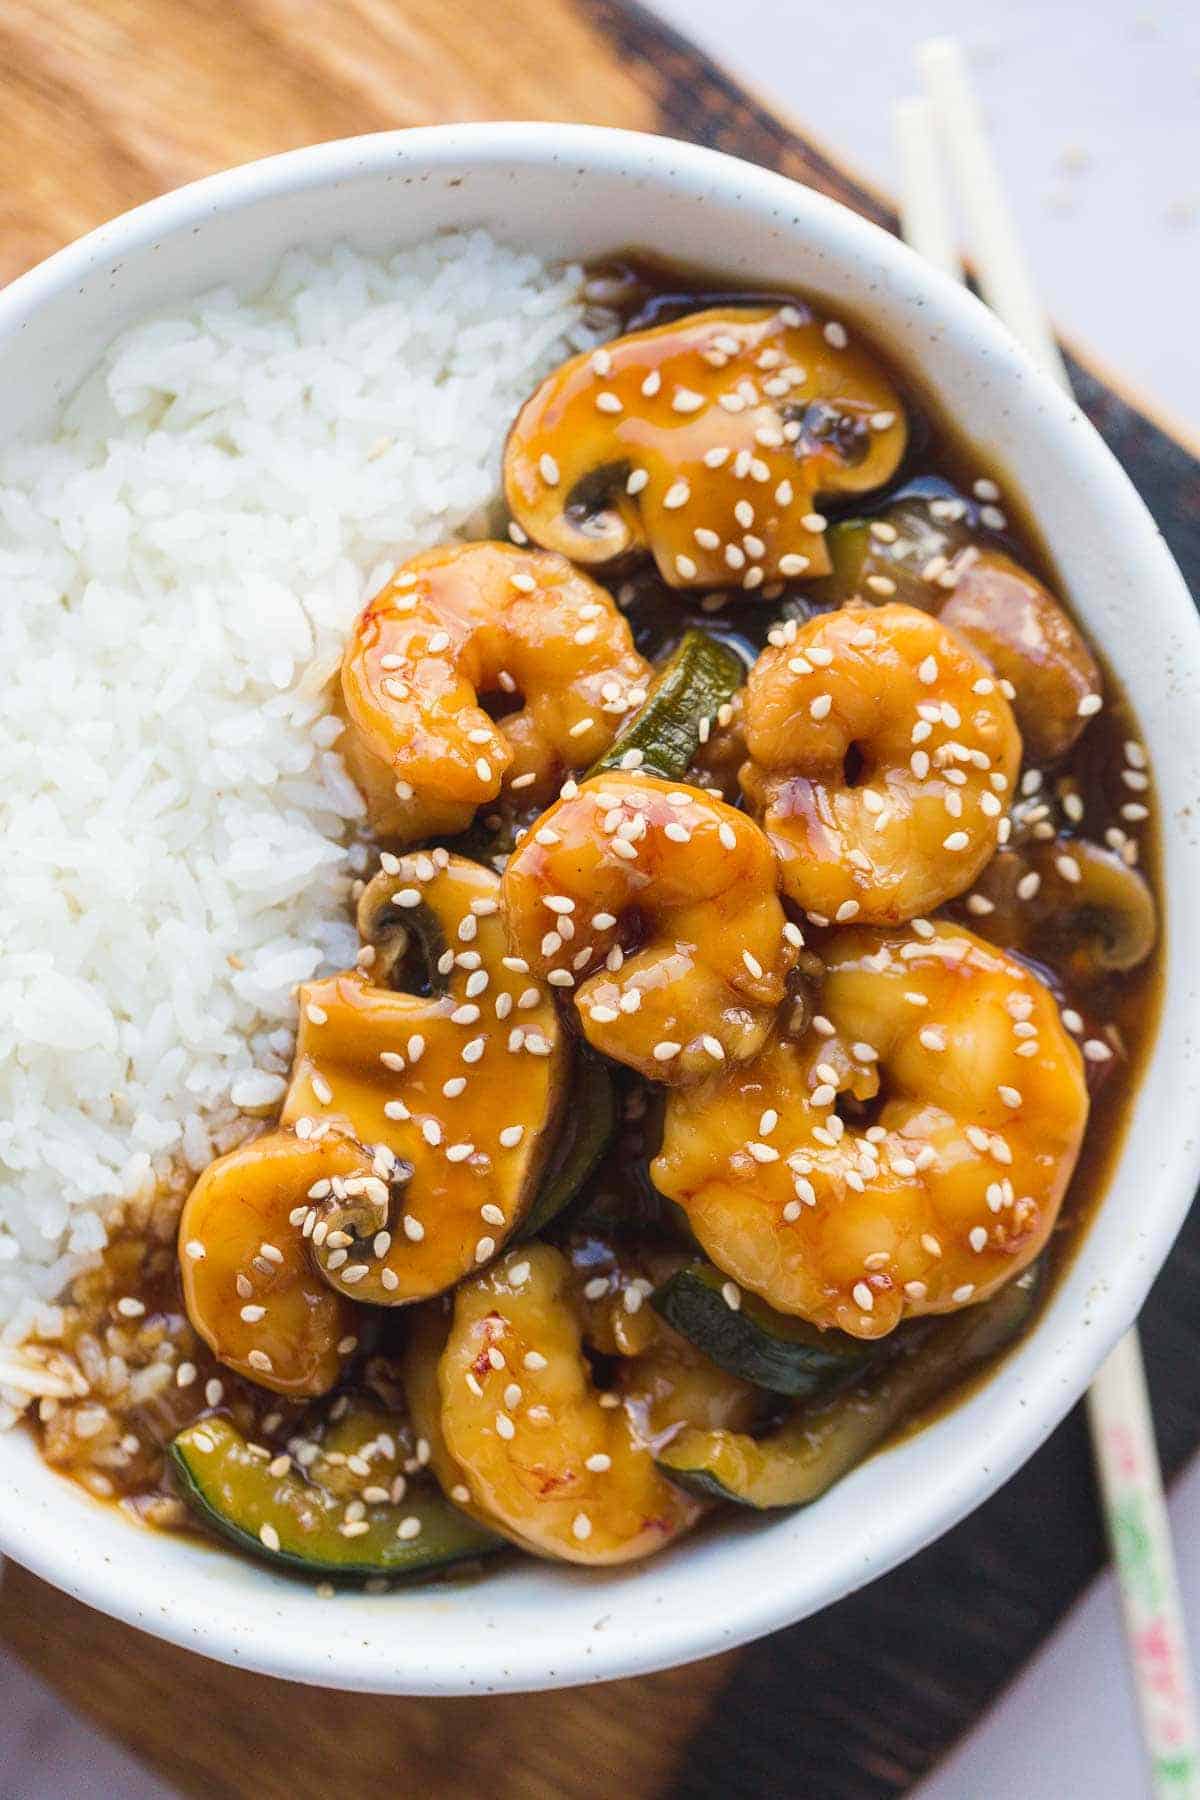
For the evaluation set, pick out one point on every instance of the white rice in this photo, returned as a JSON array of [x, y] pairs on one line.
[[178, 567]]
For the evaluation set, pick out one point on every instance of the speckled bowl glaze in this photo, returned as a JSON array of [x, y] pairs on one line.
[[583, 192]]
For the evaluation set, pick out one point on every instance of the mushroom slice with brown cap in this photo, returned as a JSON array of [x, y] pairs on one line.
[[460, 1081], [1071, 903], [708, 442]]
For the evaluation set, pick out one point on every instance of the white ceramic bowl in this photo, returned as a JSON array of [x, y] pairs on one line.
[[584, 192]]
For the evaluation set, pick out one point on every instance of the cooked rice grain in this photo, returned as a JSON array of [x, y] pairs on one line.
[[177, 570]]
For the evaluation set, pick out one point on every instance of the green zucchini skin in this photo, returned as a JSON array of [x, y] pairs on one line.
[[699, 677], [784, 1355], [235, 1494], [592, 1121], [821, 1441]]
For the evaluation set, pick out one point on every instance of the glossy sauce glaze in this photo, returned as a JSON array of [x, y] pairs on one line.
[[149, 1372]]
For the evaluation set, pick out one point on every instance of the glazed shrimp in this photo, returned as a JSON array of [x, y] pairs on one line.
[[981, 1108], [658, 906], [248, 1284], [522, 1437], [469, 620], [882, 754]]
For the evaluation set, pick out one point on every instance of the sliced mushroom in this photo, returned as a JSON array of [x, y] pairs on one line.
[[394, 934], [459, 1086], [708, 442], [921, 551], [1070, 903]]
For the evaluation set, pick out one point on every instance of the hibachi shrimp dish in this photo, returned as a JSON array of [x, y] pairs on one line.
[[751, 874]]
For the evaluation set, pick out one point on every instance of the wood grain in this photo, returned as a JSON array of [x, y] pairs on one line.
[[223, 1734], [103, 104]]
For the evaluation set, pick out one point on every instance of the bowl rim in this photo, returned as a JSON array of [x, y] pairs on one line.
[[1017, 1422]]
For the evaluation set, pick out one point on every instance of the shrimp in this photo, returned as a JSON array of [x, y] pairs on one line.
[[957, 1052], [522, 1438], [459, 623], [248, 1284], [920, 551], [708, 442], [458, 1089], [658, 906], [881, 755]]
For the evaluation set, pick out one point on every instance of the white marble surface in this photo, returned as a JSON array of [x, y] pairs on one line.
[[1096, 107]]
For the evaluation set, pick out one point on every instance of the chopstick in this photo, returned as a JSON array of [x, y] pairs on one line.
[[947, 125]]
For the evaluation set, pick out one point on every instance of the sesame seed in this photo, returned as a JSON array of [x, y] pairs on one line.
[[665, 1049], [548, 469], [820, 707], [1089, 705], [763, 1153], [686, 400], [581, 1527], [863, 1297], [677, 495], [731, 1294], [957, 840]]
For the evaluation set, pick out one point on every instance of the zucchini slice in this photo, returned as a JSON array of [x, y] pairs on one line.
[[819, 1443], [697, 679], [782, 1354], [587, 1133], [294, 1524]]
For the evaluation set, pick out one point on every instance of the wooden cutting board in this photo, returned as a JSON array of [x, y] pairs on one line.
[[105, 103]]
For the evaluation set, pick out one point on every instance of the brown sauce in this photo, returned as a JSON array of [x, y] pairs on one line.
[[150, 1374]]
